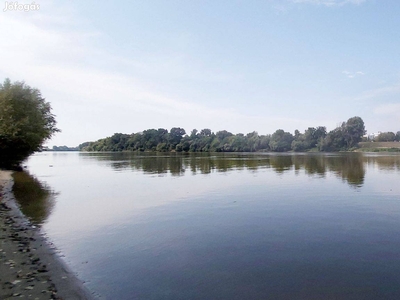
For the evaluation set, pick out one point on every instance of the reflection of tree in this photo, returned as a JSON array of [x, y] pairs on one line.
[[314, 164], [152, 165], [205, 164], [176, 166], [348, 166], [389, 162], [281, 163], [36, 199]]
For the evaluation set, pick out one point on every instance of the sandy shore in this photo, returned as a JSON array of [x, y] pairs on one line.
[[29, 267]]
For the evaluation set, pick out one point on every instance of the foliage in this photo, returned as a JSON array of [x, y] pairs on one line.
[[353, 131], [386, 137], [281, 141], [344, 137], [65, 148], [176, 140], [334, 141], [309, 140], [26, 122]]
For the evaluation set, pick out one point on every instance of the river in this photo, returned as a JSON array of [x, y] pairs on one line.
[[221, 225]]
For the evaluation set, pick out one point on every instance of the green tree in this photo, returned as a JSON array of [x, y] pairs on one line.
[[205, 132], [308, 140], [151, 138], [386, 137], [84, 146], [344, 137], [175, 136], [281, 141], [334, 141], [221, 135], [26, 122], [193, 134], [264, 143], [353, 131]]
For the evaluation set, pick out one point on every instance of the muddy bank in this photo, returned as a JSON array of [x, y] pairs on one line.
[[29, 266]]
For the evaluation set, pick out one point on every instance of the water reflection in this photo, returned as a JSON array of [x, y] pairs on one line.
[[348, 166], [35, 198], [387, 162], [227, 226]]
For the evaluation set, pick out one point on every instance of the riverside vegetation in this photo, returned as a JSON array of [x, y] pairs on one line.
[[343, 138], [26, 122]]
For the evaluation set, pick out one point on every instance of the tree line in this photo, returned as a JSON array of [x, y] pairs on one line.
[[344, 137], [388, 137]]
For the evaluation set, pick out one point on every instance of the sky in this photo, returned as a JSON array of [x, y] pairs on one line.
[[243, 66]]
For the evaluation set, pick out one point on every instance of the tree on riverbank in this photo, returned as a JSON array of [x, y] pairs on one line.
[[387, 137], [309, 140], [313, 139], [345, 137], [26, 122]]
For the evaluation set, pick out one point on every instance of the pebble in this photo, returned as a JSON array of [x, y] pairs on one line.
[[27, 275]]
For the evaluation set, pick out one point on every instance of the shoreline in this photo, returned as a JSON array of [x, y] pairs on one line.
[[29, 265]]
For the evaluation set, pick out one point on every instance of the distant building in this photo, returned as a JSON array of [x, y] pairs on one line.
[[372, 136]]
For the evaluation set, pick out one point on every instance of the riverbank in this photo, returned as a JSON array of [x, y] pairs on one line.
[[29, 266], [379, 147]]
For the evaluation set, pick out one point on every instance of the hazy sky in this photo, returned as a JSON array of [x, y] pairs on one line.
[[126, 66]]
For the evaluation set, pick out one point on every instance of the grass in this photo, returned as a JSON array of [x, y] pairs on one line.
[[379, 149], [374, 145]]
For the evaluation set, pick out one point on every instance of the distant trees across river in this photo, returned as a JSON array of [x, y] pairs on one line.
[[342, 138]]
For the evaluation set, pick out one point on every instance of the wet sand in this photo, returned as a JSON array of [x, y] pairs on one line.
[[29, 265]]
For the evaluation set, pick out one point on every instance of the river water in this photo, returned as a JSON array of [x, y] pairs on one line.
[[221, 226]]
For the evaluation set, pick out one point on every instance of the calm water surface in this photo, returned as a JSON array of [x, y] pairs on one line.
[[221, 226]]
